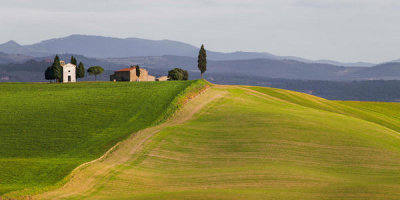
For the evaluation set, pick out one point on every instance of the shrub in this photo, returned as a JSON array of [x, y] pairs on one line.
[[178, 74]]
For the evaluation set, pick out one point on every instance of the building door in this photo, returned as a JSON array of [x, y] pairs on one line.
[[69, 78]]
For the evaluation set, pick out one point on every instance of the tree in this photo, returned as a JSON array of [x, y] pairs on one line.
[[80, 70], [73, 61], [174, 75], [185, 74], [178, 74], [95, 70], [57, 69], [49, 74], [138, 72], [202, 60]]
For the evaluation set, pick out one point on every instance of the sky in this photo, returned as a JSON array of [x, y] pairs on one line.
[[341, 30]]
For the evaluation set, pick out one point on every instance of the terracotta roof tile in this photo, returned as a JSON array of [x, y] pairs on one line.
[[126, 69]]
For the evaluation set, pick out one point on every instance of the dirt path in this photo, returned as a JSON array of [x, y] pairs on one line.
[[84, 179]]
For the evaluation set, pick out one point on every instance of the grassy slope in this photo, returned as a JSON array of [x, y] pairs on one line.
[[385, 114], [46, 130], [259, 143]]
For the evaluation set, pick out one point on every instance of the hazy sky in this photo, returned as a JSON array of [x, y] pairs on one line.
[[343, 30]]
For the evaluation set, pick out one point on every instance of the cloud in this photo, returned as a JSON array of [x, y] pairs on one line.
[[346, 30], [347, 4]]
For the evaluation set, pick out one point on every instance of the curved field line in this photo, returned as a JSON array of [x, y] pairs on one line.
[[84, 178]]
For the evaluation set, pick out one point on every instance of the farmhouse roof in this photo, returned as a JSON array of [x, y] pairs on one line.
[[126, 69]]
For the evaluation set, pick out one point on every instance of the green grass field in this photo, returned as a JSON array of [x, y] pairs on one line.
[[46, 130], [231, 142], [254, 143]]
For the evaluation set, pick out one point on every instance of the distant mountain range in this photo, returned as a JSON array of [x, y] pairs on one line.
[[13, 58], [269, 68], [108, 47]]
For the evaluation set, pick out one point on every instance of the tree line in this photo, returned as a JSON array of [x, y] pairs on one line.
[[181, 74], [55, 71]]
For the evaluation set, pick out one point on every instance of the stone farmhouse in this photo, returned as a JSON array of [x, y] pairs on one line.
[[69, 72], [162, 78], [129, 74]]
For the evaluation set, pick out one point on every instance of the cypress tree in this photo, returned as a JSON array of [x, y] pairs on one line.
[[80, 70], [73, 61], [202, 61], [49, 74], [57, 69], [138, 72]]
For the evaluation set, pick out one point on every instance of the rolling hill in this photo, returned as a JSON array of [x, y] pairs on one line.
[[46, 130], [235, 142]]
